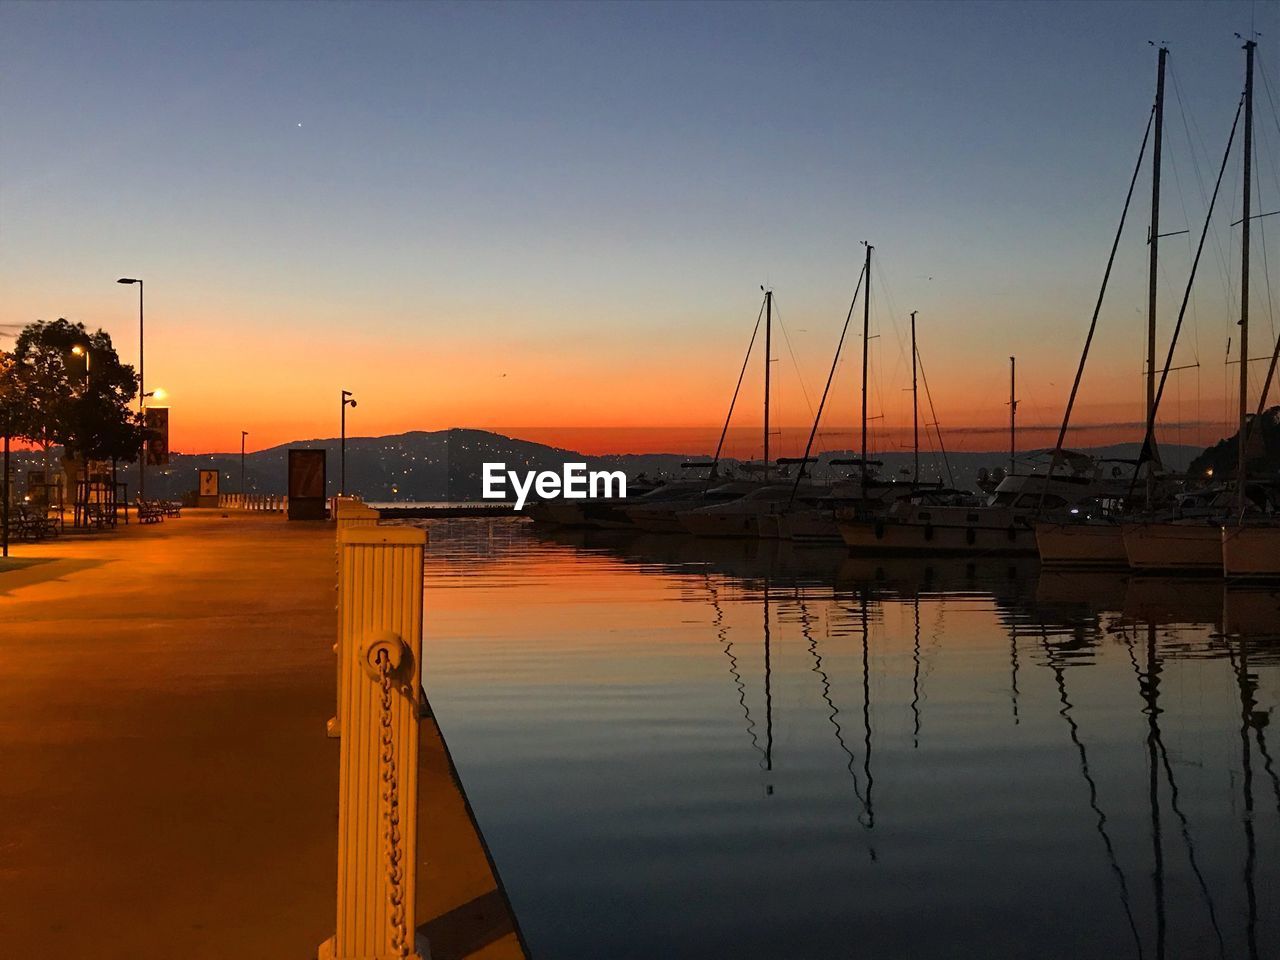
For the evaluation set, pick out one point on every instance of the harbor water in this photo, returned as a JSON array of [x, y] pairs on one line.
[[699, 748]]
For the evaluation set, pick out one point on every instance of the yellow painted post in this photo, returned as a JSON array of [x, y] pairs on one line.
[[351, 514], [381, 645]]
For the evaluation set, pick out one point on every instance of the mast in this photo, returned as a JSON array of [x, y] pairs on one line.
[[915, 408], [866, 340], [1243, 457], [1154, 243], [1013, 412], [768, 356]]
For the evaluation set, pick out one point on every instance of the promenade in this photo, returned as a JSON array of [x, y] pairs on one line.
[[168, 787]]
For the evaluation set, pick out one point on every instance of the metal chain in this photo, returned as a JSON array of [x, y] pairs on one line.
[[391, 798]]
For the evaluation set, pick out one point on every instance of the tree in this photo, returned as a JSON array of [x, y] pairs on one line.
[[73, 390], [1221, 461]]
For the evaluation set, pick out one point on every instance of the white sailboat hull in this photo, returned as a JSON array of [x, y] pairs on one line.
[[717, 523], [659, 518], [1191, 547], [1251, 552], [1081, 544], [809, 526]]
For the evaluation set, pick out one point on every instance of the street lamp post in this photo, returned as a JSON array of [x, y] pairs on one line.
[[142, 380], [80, 350], [4, 504], [347, 400], [243, 434]]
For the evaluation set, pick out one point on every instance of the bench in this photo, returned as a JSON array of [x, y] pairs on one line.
[[173, 508], [25, 525], [149, 511], [99, 515]]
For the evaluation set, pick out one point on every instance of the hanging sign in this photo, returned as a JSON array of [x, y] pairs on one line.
[[157, 443]]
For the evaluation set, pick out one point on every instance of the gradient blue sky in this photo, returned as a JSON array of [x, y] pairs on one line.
[[586, 197]]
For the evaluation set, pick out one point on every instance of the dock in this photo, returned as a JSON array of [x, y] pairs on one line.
[[169, 786]]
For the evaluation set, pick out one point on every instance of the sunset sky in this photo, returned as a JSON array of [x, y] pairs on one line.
[[556, 219]]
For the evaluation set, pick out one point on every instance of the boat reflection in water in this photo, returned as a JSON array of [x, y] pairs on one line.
[[741, 748]]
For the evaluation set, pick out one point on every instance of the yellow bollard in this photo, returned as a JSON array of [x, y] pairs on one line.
[[351, 514], [381, 650]]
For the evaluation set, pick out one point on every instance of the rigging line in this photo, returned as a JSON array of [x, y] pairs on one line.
[[1149, 437], [808, 447], [893, 311], [1275, 353], [933, 413], [1186, 218], [1093, 324], [1262, 229], [1186, 126], [1275, 119], [787, 337], [897, 334], [745, 360], [1224, 273]]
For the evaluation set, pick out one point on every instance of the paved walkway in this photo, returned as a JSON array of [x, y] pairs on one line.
[[167, 787]]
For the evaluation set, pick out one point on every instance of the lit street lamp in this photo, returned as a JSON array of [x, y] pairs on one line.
[[80, 351], [347, 400], [142, 459]]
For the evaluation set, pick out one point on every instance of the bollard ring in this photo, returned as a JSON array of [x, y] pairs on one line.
[[383, 642]]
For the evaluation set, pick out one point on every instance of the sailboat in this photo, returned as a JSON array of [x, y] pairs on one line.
[[866, 496], [1093, 537], [1202, 543], [809, 516], [739, 515], [1250, 543]]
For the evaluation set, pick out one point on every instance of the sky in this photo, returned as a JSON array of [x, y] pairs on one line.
[[556, 220]]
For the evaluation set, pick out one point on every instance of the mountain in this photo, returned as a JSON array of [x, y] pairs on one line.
[[447, 465]]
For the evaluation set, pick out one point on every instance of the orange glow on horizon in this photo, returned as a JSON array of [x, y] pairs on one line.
[[626, 389]]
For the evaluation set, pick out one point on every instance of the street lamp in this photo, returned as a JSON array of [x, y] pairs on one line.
[[82, 351], [347, 400], [243, 434], [142, 459]]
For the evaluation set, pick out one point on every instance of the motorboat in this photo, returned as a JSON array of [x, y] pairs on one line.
[[937, 523], [659, 514], [743, 516]]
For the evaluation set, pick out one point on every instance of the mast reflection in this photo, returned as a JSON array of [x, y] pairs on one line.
[[1054, 659], [1248, 685], [722, 634], [1174, 801], [806, 630], [768, 695]]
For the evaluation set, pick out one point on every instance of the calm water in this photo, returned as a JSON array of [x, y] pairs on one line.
[[684, 748]]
